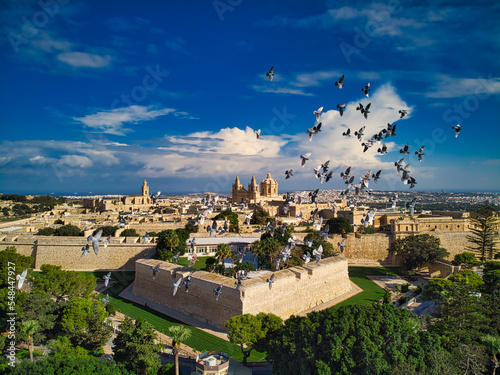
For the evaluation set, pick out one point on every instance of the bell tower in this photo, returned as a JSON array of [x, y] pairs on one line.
[[145, 189]]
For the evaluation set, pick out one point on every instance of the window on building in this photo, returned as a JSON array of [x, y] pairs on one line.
[[189, 250], [407, 228], [201, 250]]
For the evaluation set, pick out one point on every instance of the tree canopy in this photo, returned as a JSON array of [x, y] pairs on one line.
[[259, 217], [84, 320], [484, 233], [55, 365], [340, 225], [135, 348], [252, 331], [417, 251], [170, 242], [354, 339], [60, 283]]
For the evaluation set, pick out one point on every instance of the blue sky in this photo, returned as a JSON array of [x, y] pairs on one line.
[[96, 96]]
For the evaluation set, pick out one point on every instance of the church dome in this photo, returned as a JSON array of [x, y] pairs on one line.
[[269, 187]]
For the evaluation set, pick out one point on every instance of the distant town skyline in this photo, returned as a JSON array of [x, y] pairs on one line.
[[96, 97]]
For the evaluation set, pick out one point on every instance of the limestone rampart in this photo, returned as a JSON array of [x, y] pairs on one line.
[[67, 251], [294, 290]]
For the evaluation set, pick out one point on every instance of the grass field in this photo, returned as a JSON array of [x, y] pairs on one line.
[[199, 340], [371, 291]]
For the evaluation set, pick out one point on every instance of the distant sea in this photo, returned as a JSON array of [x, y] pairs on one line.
[[167, 193]]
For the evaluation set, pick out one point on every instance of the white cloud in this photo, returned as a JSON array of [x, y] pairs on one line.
[[447, 86], [314, 78], [75, 161], [81, 59], [281, 90], [112, 122]]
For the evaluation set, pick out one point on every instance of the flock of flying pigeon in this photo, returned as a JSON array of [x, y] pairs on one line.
[[321, 171]]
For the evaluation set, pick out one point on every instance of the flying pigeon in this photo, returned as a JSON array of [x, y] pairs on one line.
[[368, 220], [359, 133], [176, 257], [308, 242], [318, 253], [271, 281], [345, 175], [122, 222], [85, 250], [391, 130], [257, 133], [376, 176], [341, 108], [404, 150], [105, 300], [420, 153], [342, 246], [155, 270], [317, 225], [192, 259], [394, 201], [248, 218], [314, 130], [318, 113], [347, 133], [382, 150], [403, 112], [412, 182], [217, 292], [365, 110], [366, 89], [21, 278], [313, 195], [307, 257], [238, 284], [95, 241], [457, 130], [146, 238], [106, 278], [411, 206], [187, 283], [324, 232], [304, 158], [192, 242], [270, 73], [340, 82], [176, 285], [288, 174], [106, 241]]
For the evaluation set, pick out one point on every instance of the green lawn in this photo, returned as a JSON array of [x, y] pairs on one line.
[[199, 340], [371, 291], [199, 265]]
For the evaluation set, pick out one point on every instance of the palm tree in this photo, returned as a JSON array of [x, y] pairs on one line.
[[493, 349], [30, 327], [223, 251], [178, 334]]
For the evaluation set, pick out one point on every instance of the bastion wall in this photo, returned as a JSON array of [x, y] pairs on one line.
[[294, 290], [122, 252], [66, 252]]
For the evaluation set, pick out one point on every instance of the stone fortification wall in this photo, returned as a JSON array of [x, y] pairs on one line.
[[67, 251], [366, 248], [454, 242], [297, 289], [294, 290]]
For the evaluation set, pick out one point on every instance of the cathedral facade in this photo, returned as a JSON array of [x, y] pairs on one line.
[[253, 194]]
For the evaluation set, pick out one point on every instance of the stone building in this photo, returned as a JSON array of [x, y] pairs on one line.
[[268, 190], [130, 203]]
